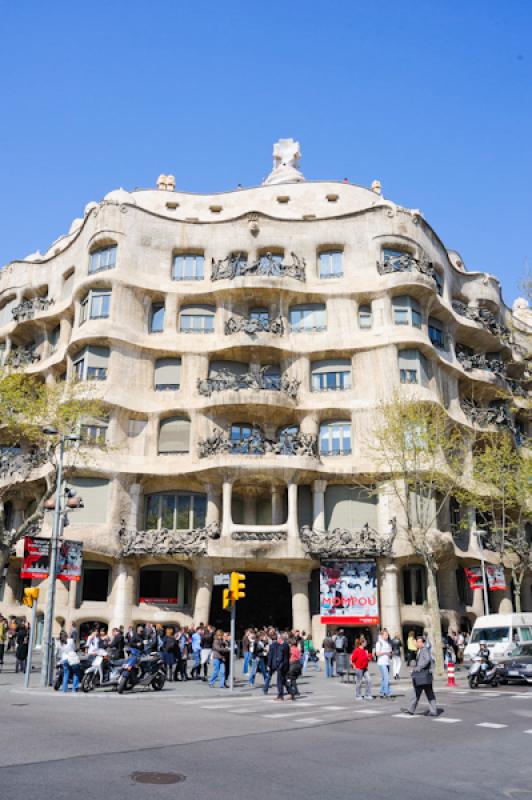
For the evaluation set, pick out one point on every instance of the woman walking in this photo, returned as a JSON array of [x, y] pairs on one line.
[[360, 662], [383, 651]]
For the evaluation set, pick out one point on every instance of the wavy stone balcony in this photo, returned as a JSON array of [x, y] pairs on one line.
[[256, 380], [253, 326], [267, 266], [483, 317], [257, 444], [31, 306]]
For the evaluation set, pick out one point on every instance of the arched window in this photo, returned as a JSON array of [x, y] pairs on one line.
[[103, 258], [197, 319], [365, 316], [331, 374], [174, 436], [335, 438], [414, 585], [188, 267]]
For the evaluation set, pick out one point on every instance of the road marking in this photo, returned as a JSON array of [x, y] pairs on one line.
[[333, 708], [218, 705], [406, 716], [447, 719], [242, 710], [490, 725], [366, 711], [280, 714], [530, 731], [308, 720]]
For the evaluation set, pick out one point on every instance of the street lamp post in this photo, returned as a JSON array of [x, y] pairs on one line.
[[48, 641], [479, 534]]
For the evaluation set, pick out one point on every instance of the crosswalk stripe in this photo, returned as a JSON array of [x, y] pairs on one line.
[[447, 719], [530, 731], [490, 725], [405, 716], [308, 720], [242, 710], [332, 708], [366, 710]]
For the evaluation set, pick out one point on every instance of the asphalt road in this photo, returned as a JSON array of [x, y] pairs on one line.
[[212, 744]]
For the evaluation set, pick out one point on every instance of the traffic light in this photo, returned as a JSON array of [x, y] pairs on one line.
[[238, 585], [30, 596], [227, 599]]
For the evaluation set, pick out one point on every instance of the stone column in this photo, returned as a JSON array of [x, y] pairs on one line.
[[213, 505], [135, 507], [202, 601], [293, 531], [277, 505], [318, 505], [123, 596], [505, 598], [170, 313], [389, 596], [227, 495], [477, 607], [299, 581]]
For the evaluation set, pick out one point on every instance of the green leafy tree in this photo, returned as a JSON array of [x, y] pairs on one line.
[[423, 454], [28, 465]]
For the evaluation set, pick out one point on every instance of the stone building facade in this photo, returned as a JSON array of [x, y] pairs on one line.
[[241, 343]]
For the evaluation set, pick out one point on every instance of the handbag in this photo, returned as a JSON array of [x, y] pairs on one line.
[[422, 678]]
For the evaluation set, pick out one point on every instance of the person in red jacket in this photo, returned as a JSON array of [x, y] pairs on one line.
[[360, 661]]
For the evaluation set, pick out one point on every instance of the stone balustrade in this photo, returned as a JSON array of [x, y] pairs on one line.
[[266, 266]]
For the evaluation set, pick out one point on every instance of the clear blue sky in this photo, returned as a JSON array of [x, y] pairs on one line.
[[432, 98]]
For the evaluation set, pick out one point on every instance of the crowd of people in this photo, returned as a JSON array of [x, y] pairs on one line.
[[15, 636]]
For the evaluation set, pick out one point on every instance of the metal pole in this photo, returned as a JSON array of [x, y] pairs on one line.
[[31, 645], [48, 643], [232, 653], [484, 581]]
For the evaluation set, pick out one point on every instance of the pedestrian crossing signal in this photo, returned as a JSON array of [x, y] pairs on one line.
[[238, 585]]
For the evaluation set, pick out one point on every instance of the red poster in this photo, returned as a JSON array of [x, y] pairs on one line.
[[36, 561], [474, 577]]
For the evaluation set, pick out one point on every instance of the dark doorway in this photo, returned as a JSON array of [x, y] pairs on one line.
[[268, 601]]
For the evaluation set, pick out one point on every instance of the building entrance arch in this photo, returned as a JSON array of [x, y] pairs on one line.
[[268, 601]]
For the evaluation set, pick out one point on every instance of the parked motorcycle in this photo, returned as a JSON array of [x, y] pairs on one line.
[[142, 670], [84, 665], [104, 672], [482, 673]]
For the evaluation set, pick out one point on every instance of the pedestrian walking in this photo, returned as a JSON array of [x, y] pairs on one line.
[[245, 650], [259, 651], [329, 653], [195, 646], [206, 649], [310, 655], [219, 650], [397, 646], [294, 668], [21, 652], [169, 646], [3, 638], [422, 679], [360, 662], [278, 662], [383, 652]]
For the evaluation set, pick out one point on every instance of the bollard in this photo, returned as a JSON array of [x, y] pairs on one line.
[[450, 674]]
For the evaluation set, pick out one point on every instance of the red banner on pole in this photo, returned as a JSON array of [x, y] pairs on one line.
[[474, 577]]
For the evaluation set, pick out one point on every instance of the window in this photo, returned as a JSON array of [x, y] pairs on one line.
[[465, 593], [335, 438], [414, 586], [91, 363], [167, 374], [95, 305], [102, 259], [365, 316], [413, 367], [135, 427], [331, 264], [54, 338], [436, 333], [439, 282], [239, 435], [197, 319], [188, 267], [307, 318], [93, 433], [166, 585], [406, 311], [331, 375], [175, 511], [157, 318], [95, 582], [174, 436], [350, 507], [95, 495], [261, 315]]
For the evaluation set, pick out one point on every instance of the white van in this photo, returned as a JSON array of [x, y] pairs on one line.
[[501, 632]]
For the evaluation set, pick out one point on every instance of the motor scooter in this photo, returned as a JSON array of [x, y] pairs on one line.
[[481, 672], [104, 672], [142, 670]]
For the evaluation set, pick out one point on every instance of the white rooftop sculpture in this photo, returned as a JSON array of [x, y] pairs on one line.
[[286, 155]]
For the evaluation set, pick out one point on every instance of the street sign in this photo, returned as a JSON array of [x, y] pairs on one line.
[[221, 579]]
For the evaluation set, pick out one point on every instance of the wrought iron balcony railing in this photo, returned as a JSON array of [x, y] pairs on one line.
[[404, 262], [267, 265], [496, 413], [257, 444], [255, 380], [470, 361], [253, 326], [22, 356], [483, 317], [29, 307]]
